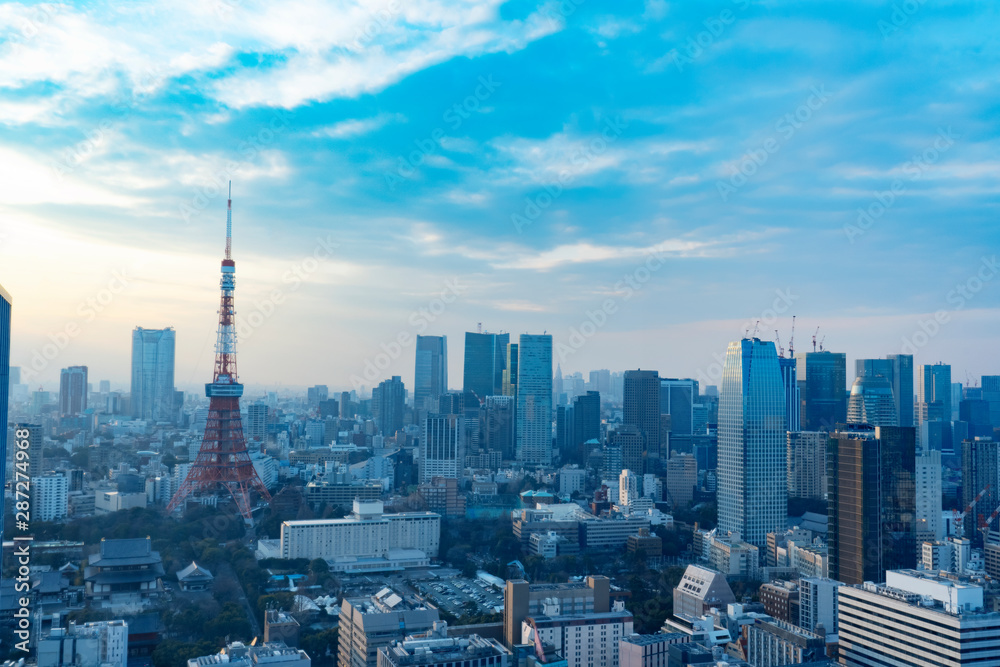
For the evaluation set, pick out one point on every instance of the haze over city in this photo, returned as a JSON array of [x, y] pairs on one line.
[[417, 150]]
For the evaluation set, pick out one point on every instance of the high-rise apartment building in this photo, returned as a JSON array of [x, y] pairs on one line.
[[823, 384], [442, 447], [534, 399], [73, 390], [388, 404], [50, 497], [641, 408], [257, 422], [431, 373], [752, 487], [806, 462], [929, 499], [872, 502], [152, 395]]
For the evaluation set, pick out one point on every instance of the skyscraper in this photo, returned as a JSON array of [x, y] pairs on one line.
[[5, 380], [677, 399], [641, 408], [807, 464], [257, 422], [872, 502], [485, 360], [872, 402], [980, 469], [823, 383], [991, 394], [534, 399], [752, 491], [73, 390], [929, 525], [431, 373], [442, 448], [388, 403], [510, 371], [898, 370], [934, 392], [586, 425], [499, 426], [153, 374], [793, 397]]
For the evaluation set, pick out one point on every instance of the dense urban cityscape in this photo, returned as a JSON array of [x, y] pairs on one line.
[[499, 333]]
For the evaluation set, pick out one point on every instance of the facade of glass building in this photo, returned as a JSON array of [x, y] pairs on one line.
[[871, 496], [898, 370], [431, 372], [485, 360], [823, 385], [534, 399], [752, 491], [872, 402], [793, 399], [153, 374], [641, 408]]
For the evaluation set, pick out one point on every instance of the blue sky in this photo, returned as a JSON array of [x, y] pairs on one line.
[[424, 166]]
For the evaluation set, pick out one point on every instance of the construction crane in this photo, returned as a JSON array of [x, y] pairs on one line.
[[814, 338], [960, 520], [781, 350], [822, 340], [986, 524], [755, 328], [791, 343]]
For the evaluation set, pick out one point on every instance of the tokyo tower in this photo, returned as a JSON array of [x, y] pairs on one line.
[[223, 460]]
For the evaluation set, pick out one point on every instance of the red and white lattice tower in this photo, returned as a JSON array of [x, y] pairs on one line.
[[223, 460]]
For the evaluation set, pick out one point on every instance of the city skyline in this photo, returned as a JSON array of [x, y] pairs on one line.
[[650, 131]]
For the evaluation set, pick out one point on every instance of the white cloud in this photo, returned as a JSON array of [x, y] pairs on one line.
[[358, 126]]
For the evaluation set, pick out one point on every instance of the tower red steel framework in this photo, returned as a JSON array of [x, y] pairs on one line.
[[223, 460]]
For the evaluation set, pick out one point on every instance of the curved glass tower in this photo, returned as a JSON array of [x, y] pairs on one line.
[[753, 496]]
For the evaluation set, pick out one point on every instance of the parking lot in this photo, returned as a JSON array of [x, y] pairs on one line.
[[455, 593]]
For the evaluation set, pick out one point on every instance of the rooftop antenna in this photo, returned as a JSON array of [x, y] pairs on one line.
[[229, 223]]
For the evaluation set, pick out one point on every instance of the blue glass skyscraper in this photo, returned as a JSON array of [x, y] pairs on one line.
[[153, 374], [752, 491], [534, 399]]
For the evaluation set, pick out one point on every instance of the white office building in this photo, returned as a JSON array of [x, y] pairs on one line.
[[928, 478], [584, 640], [818, 603], [916, 618], [366, 540]]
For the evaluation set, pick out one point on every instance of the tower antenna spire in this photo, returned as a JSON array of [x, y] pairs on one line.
[[229, 223]]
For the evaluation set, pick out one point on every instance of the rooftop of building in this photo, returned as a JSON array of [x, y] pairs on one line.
[[659, 638], [386, 601], [540, 620], [436, 646]]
